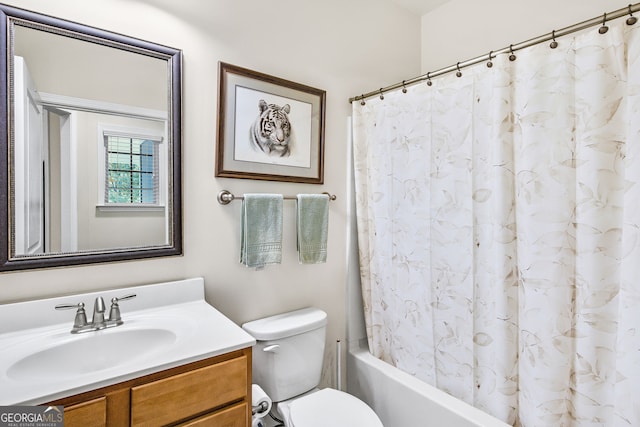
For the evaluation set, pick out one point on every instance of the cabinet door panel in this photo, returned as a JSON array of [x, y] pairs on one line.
[[90, 413], [233, 416], [179, 397]]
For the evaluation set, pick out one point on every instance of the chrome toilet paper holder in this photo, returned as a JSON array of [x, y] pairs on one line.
[[258, 409]]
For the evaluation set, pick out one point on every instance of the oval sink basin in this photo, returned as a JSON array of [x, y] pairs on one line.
[[90, 353]]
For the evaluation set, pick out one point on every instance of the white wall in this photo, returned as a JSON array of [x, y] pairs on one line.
[[345, 48], [464, 29]]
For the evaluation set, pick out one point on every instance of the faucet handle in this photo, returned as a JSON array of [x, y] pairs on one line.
[[114, 313], [81, 316], [69, 306], [123, 298]]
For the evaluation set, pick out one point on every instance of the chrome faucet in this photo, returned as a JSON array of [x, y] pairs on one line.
[[98, 314], [98, 320]]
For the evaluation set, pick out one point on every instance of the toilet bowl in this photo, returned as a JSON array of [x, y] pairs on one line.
[[327, 407], [287, 364]]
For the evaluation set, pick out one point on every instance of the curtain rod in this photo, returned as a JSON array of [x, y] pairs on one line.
[[602, 20], [225, 197]]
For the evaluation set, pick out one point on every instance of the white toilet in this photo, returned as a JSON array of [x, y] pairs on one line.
[[287, 363]]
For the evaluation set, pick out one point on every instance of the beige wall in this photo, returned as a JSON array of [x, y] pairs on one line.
[[464, 29], [65, 66], [111, 228], [345, 48]]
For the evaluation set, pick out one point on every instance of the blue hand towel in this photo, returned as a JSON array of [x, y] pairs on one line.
[[313, 225], [261, 230]]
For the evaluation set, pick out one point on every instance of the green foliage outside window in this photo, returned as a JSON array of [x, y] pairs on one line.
[[131, 163]]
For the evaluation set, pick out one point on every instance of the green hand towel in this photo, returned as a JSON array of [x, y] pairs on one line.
[[261, 235], [313, 225]]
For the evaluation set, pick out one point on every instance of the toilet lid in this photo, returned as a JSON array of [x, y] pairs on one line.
[[329, 407]]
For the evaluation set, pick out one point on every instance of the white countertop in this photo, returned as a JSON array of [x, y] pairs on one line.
[[27, 327]]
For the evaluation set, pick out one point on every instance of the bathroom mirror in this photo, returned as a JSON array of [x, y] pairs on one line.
[[90, 144]]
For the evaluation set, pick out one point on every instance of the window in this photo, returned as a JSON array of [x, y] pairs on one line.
[[132, 161], [132, 166]]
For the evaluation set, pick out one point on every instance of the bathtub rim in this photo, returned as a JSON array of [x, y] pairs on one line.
[[471, 415]]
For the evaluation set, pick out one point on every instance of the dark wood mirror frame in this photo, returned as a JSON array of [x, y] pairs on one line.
[[103, 37]]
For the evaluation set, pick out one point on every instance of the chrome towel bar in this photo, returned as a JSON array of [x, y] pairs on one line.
[[225, 197]]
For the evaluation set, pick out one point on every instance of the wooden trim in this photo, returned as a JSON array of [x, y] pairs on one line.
[[249, 386]]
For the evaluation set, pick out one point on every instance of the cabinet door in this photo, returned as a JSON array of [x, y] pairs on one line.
[[233, 416], [90, 413], [185, 395]]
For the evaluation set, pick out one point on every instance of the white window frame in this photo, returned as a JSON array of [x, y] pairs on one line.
[[105, 129]]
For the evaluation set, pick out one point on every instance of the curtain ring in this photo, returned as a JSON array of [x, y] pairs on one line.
[[429, 82], [512, 57], [381, 95], [362, 99], [631, 19], [404, 88], [603, 29], [554, 43], [458, 73], [490, 64]]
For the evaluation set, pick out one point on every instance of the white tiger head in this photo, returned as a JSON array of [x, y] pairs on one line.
[[271, 131]]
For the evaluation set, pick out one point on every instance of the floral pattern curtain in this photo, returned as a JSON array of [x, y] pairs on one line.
[[499, 231]]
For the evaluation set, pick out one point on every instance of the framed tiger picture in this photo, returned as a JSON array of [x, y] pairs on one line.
[[269, 128]]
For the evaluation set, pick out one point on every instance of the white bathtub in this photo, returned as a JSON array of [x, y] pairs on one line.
[[401, 400]]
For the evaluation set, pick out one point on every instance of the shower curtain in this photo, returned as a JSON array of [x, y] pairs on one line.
[[498, 217]]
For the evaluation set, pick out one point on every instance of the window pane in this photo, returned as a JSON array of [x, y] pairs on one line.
[[148, 196], [131, 164]]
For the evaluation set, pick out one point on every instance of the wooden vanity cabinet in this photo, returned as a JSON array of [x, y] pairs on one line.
[[214, 392]]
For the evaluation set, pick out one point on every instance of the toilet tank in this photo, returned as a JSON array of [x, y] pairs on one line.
[[287, 357]]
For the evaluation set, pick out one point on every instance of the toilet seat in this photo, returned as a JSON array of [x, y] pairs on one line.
[[329, 407]]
